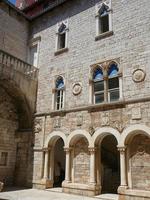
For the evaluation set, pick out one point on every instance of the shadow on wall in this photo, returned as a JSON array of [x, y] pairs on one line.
[[50, 20]]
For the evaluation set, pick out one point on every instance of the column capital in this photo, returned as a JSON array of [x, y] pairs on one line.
[[92, 149], [46, 149], [67, 149], [122, 149]]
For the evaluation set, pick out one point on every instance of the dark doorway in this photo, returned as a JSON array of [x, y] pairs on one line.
[[59, 163], [110, 163]]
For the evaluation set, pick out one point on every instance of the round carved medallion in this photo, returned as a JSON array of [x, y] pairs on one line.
[[138, 75], [77, 88]]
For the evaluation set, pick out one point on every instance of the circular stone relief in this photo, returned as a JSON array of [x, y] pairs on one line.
[[77, 88], [138, 75]]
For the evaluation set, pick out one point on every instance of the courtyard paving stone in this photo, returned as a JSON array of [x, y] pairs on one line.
[[34, 194]]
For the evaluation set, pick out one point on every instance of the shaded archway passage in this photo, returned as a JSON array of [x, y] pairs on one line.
[[17, 102], [59, 163], [110, 165]]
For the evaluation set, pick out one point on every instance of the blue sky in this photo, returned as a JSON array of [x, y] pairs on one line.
[[13, 1]]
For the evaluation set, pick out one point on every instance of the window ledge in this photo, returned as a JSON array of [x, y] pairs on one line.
[[92, 107], [103, 35], [61, 51]]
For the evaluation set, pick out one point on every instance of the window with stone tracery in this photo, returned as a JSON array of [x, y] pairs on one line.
[[106, 83]]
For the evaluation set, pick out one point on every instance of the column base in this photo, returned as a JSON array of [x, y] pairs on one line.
[[81, 189], [42, 184], [122, 189]]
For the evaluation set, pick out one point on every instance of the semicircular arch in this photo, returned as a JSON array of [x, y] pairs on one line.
[[132, 131], [52, 137], [100, 133], [78, 134]]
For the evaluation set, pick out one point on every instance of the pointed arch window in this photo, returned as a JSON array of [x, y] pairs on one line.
[[59, 94], [103, 20], [106, 83], [62, 37], [98, 86]]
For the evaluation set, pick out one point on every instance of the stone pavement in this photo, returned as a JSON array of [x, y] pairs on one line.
[[34, 194]]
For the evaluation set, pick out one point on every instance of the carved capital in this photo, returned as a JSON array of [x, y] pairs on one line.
[[67, 149], [92, 150], [46, 149], [122, 149]]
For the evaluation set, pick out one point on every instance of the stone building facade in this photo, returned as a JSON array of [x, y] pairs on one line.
[[92, 122]]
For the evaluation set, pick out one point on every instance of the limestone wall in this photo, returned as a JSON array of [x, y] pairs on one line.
[[8, 126], [140, 162], [81, 162], [129, 43], [18, 145], [13, 31]]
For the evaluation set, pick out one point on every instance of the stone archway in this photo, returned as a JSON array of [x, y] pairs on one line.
[[59, 163], [54, 159], [79, 141], [136, 138], [110, 165], [106, 141], [138, 159]]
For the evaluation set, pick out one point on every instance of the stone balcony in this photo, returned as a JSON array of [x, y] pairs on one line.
[[18, 65], [20, 80]]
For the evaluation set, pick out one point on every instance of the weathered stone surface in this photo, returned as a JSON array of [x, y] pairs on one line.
[[1, 186]]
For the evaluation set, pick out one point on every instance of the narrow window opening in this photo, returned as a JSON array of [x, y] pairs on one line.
[[113, 83], [59, 93], [62, 41], [98, 86], [33, 55], [104, 23]]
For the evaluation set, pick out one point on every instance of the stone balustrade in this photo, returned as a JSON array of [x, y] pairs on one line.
[[18, 65]]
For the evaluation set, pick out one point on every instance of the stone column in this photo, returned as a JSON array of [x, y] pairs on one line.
[[92, 165], [98, 165], [67, 170], [122, 167], [46, 163]]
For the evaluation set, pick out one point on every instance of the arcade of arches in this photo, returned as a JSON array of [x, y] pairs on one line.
[[102, 163]]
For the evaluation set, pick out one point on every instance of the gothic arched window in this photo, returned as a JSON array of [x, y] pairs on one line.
[[98, 85], [106, 83], [59, 94]]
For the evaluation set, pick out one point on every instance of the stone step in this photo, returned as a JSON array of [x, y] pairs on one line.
[[108, 197], [57, 189]]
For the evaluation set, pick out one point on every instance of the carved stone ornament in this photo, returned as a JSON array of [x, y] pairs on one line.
[[79, 120], [37, 125], [105, 119], [62, 26], [77, 88], [138, 75], [57, 122], [91, 130], [102, 3], [141, 150]]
